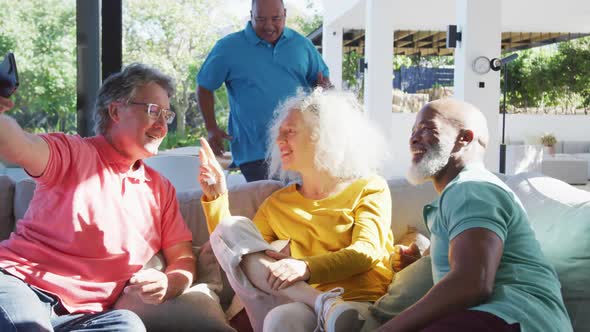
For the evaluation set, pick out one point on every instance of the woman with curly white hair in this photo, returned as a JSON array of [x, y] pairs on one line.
[[334, 215]]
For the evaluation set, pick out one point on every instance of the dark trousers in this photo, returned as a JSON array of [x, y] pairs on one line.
[[472, 320], [255, 170]]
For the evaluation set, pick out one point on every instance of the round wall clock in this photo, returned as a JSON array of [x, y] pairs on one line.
[[481, 65]]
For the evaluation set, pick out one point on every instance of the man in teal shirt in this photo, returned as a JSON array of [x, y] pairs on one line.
[[488, 269], [261, 66]]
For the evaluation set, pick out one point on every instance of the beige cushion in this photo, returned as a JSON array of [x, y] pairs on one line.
[[244, 200], [407, 202], [23, 193], [197, 308], [6, 206], [406, 288]]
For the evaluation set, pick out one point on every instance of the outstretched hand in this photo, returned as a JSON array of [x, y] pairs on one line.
[[285, 271], [211, 175], [5, 104]]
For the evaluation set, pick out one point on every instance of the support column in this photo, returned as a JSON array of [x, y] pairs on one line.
[[332, 52], [88, 63], [112, 37], [480, 25], [379, 60]]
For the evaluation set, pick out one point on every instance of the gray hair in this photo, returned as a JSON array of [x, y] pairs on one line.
[[348, 145], [122, 86]]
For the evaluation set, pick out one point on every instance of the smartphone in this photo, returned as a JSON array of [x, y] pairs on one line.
[[8, 76]]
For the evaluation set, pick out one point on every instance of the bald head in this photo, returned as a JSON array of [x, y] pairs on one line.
[[255, 2], [462, 116]]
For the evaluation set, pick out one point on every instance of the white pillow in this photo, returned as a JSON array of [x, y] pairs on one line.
[[560, 217]]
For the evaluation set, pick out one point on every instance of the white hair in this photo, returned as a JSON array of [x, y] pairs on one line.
[[347, 144]]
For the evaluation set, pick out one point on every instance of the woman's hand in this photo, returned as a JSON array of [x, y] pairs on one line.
[[403, 256], [285, 271], [211, 175]]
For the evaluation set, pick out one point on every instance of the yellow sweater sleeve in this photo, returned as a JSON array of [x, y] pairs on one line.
[[215, 211], [371, 239]]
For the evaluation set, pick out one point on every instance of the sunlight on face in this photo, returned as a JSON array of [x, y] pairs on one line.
[[138, 135], [294, 143], [432, 162]]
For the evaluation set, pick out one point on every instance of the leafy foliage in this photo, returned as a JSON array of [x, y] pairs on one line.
[[42, 34], [552, 79], [548, 139]]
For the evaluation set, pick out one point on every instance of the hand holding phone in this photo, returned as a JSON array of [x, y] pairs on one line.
[[8, 76]]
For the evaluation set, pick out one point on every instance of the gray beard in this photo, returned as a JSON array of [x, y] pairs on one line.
[[431, 163]]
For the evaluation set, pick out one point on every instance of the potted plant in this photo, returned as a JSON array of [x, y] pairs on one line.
[[549, 141]]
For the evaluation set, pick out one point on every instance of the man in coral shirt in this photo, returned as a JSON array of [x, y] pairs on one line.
[[97, 216]]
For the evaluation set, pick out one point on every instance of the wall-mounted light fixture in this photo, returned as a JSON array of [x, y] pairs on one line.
[[453, 36]]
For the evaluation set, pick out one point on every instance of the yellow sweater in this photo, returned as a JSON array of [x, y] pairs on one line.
[[345, 238]]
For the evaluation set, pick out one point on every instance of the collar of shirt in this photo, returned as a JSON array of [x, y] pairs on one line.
[[473, 166], [253, 38], [121, 164]]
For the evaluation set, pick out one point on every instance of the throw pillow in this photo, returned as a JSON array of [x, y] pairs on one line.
[[406, 288], [560, 217]]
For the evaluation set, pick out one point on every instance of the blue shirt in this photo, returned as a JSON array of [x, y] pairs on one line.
[[526, 289], [258, 77]]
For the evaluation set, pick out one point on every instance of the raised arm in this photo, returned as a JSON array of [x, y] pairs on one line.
[[19, 147], [216, 135], [215, 201]]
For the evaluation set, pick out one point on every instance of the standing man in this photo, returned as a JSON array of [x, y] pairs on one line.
[[488, 269], [97, 216], [261, 66]]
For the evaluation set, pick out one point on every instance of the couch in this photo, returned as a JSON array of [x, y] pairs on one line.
[[559, 213], [570, 161]]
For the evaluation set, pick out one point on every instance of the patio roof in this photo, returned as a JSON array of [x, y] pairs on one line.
[[425, 43]]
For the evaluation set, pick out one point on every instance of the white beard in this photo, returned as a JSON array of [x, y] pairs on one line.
[[433, 161]]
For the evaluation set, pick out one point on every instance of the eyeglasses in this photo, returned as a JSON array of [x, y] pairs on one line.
[[154, 111]]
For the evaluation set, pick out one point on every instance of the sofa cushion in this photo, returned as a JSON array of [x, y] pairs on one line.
[[570, 147], [560, 217], [23, 193], [407, 202], [244, 200], [6, 206], [406, 288]]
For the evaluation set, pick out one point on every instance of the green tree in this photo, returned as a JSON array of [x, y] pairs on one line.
[[175, 38], [42, 34], [554, 77], [305, 24]]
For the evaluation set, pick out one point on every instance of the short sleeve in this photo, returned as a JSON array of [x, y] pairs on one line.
[[316, 64], [174, 228], [215, 69], [476, 205], [62, 149]]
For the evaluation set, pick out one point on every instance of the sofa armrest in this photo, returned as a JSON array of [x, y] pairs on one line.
[[6, 206]]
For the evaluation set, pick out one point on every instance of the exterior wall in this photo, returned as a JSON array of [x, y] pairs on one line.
[[526, 128], [530, 127]]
